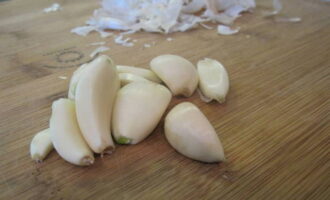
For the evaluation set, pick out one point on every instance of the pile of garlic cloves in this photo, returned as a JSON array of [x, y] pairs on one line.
[[105, 100]]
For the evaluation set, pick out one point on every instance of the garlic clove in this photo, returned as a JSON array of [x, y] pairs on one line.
[[74, 81], [191, 134], [95, 94], [213, 79], [177, 73], [126, 78], [138, 109], [41, 145], [66, 135], [145, 73]]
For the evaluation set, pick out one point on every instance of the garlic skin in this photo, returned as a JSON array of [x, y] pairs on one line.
[[74, 81], [126, 78], [192, 6], [213, 79], [191, 134], [41, 145], [138, 109], [177, 73], [95, 94], [145, 73], [66, 135]]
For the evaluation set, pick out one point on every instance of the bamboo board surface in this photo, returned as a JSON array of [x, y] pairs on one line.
[[274, 125]]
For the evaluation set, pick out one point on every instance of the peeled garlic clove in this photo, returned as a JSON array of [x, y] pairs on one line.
[[191, 134], [213, 79], [95, 94], [74, 81], [126, 78], [66, 135], [41, 145], [138, 109], [145, 73], [177, 73]]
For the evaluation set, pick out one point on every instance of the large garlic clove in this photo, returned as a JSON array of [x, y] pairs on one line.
[[66, 135], [74, 81], [191, 134], [126, 78], [95, 94], [138, 109], [145, 73], [178, 74], [41, 145], [213, 79]]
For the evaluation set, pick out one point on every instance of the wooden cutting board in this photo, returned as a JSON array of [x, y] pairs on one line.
[[274, 125]]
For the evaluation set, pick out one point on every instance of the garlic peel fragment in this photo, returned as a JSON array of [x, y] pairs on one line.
[[213, 79], [192, 6], [177, 73], [226, 30], [191, 134], [41, 145], [66, 136], [138, 108]]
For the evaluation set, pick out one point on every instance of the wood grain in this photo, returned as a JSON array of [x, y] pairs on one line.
[[274, 125]]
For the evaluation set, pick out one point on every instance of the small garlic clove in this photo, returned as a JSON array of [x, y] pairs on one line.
[[74, 81], [138, 109], [177, 73], [191, 134], [213, 79], [66, 135], [145, 73], [126, 78], [41, 145], [95, 94]]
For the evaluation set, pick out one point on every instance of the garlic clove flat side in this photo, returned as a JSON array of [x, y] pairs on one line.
[[213, 79]]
